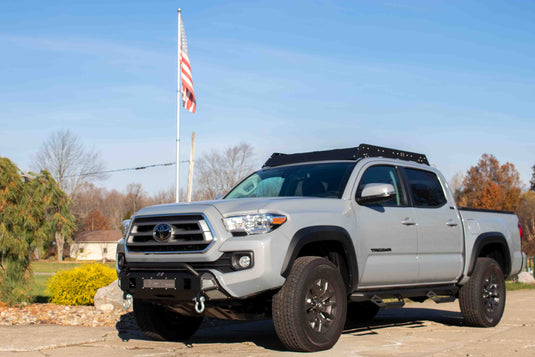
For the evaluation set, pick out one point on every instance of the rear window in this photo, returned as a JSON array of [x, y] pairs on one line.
[[426, 189]]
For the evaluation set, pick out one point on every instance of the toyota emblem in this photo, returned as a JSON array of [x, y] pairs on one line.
[[162, 232]]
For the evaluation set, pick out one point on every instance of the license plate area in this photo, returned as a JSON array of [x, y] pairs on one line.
[[176, 285], [159, 283]]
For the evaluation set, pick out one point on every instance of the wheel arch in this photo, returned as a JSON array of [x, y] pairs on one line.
[[492, 245], [320, 241]]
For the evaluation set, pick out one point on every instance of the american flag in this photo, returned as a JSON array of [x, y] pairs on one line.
[[188, 96]]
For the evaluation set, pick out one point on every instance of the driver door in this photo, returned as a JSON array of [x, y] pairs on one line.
[[387, 235]]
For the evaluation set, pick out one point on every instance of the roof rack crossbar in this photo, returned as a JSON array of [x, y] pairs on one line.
[[353, 154]]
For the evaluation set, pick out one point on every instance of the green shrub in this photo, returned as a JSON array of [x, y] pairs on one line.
[[79, 285]]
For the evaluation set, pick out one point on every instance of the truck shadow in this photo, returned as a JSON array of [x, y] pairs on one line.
[[258, 332], [262, 332], [403, 317]]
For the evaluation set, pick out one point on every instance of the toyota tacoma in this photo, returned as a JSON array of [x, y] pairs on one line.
[[312, 239]]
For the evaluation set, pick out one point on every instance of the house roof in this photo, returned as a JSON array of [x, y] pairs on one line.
[[107, 236]]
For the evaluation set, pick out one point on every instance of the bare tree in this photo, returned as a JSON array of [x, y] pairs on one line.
[[112, 204], [87, 198], [69, 162], [218, 172], [456, 185], [114, 209], [164, 196], [115, 206], [135, 198]]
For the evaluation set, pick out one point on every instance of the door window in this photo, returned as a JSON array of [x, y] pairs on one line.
[[383, 174], [425, 188]]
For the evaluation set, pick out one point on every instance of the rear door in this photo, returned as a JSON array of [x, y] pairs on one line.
[[386, 232], [440, 236]]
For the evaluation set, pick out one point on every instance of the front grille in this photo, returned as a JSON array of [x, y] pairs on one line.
[[189, 233]]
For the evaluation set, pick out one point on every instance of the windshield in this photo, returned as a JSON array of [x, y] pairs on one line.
[[310, 180]]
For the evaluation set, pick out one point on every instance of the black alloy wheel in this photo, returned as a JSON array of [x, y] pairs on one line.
[[482, 298]]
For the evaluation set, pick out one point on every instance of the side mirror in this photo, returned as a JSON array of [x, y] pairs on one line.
[[376, 192], [126, 224]]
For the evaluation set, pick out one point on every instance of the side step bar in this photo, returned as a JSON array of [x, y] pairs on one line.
[[438, 299], [377, 300], [439, 294]]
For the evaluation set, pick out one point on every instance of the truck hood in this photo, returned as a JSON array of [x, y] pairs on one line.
[[247, 206]]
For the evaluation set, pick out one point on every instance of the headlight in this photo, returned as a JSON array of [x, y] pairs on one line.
[[253, 223]]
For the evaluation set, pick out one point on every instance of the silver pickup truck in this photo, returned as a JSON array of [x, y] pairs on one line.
[[313, 239]]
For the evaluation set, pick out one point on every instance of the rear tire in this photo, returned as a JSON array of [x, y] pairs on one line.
[[309, 311], [162, 324], [482, 299]]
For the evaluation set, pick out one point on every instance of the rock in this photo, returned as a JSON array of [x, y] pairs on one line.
[[109, 295], [105, 307], [525, 277]]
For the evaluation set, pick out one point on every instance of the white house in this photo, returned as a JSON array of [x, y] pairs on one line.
[[95, 245]]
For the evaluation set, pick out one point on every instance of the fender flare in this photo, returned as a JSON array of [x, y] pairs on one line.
[[489, 238], [316, 234]]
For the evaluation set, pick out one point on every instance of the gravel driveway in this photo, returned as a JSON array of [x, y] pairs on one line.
[[417, 330]]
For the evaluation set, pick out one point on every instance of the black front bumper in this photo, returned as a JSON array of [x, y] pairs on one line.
[[175, 285]]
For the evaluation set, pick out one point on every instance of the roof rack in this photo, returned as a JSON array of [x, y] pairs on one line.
[[353, 154]]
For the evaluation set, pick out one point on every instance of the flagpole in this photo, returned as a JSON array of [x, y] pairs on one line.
[[177, 185], [191, 162]]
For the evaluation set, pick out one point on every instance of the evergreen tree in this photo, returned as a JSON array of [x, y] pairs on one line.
[[32, 210]]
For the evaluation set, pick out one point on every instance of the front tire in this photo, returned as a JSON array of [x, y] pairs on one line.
[[482, 299], [162, 324], [310, 309]]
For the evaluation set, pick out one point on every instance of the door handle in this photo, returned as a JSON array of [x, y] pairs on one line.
[[451, 223], [408, 222]]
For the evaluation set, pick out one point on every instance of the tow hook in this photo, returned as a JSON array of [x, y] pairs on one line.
[[127, 301], [199, 304]]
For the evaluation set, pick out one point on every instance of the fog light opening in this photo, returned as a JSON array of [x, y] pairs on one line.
[[121, 261], [242, 260]]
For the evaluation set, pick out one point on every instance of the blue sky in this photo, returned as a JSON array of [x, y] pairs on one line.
[[451, 79]]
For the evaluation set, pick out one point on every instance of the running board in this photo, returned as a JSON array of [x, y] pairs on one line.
[[439, 294]]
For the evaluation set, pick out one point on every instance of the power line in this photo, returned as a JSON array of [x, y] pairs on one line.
[[126, 169]]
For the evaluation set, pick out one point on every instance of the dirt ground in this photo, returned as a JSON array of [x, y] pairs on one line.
[[424, 329]]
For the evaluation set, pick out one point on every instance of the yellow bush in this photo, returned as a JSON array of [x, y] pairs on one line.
[[79, 285]]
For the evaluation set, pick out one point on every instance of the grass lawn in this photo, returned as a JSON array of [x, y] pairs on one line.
[[39, 293], [44, 266], [45, 270], [518, 286]]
